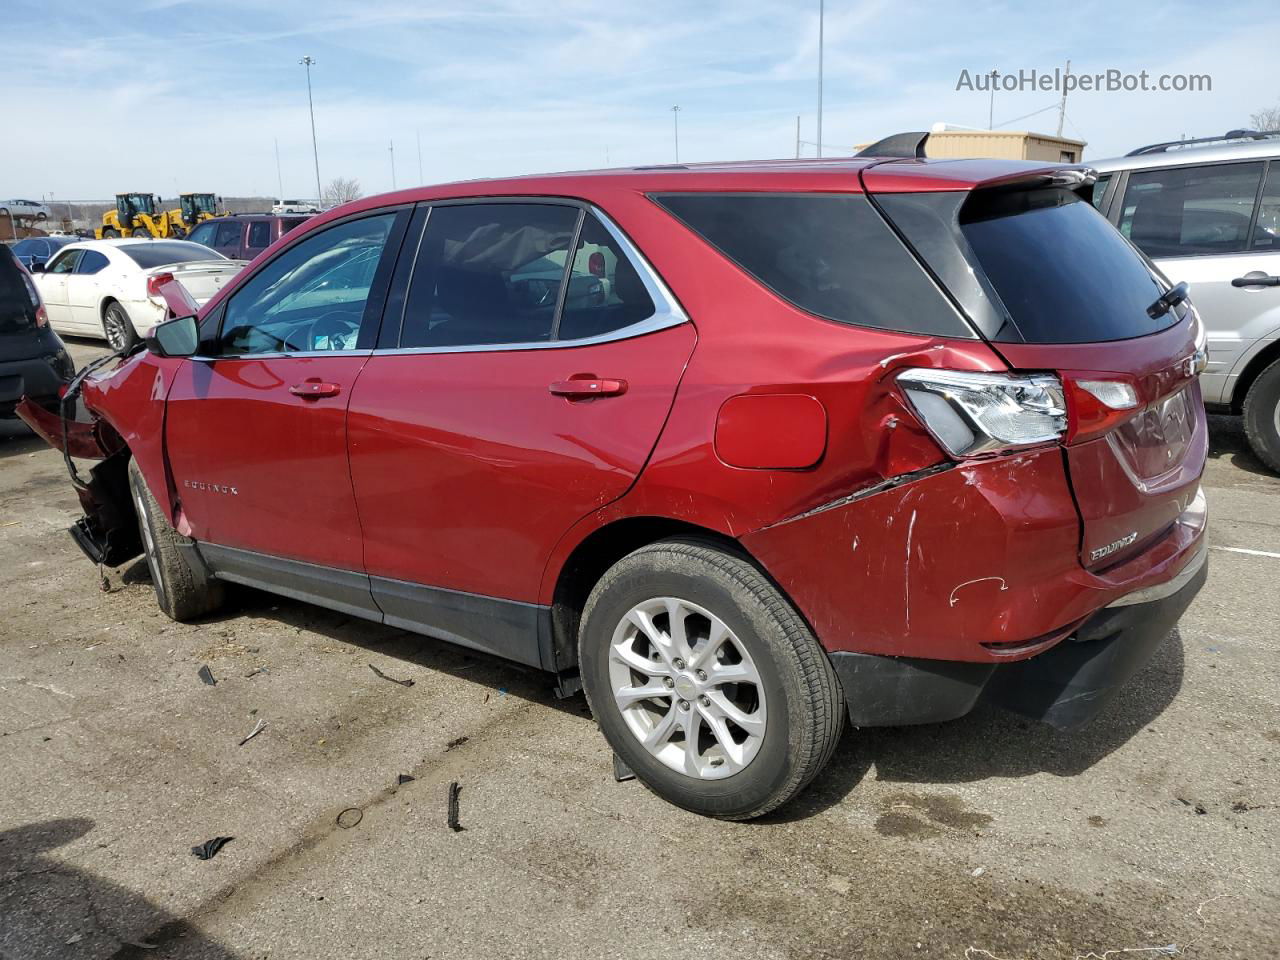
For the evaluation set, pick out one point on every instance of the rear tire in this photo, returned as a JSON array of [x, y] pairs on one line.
[[139, 233], [757, 741], [118, 328], [110, 233], [183, 591], [1262, 416]]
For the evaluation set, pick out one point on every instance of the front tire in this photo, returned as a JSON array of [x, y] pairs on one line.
[[1262, 416], [118, 328], [184, 590], [706, 682]]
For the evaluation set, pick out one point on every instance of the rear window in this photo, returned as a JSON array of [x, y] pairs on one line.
[[288, 223], [17, 305], [159, 253], [1063, 273], [829, 254]]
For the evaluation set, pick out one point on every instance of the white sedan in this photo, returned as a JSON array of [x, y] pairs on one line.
[[112, 288]]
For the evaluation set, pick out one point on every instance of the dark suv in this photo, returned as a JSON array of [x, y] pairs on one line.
[[33, 360], [244, 235], [744, 450]]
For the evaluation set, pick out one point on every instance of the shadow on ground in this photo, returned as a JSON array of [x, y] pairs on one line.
[[1228, 442], [52, 909], [990, 743]]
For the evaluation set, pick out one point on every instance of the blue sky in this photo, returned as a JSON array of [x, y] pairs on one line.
[[172, 95]]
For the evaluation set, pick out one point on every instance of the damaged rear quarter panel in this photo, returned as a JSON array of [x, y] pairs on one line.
[[980, 553]]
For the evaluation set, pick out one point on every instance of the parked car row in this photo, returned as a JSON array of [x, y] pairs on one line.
[[746, 451]]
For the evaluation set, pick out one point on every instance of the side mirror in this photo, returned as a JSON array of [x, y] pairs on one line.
[[174, 338], [37, 266]]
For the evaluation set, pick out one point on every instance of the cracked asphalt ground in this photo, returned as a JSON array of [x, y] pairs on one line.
[[1156, 827]]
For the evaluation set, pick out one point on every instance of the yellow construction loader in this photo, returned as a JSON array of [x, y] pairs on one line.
[[135, 215], [193, 208]]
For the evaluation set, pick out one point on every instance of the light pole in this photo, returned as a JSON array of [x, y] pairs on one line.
[[309, 62], [675, 116], [821, 17], [391, 148], [419, 134]]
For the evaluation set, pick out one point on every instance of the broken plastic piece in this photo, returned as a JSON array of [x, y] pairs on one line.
[[402, 779], [454, 790], [456, 742], [206, 850], [261, 725], [379, 673], [206, 675], [621, 772]]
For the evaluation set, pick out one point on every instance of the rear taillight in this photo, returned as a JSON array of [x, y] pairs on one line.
[[1095, 406], [972, 414], [154, 283], [42, 318]]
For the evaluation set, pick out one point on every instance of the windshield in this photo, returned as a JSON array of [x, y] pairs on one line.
[[158, 253]]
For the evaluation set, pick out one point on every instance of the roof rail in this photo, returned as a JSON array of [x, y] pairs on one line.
[[1226, 137], [898, 145]]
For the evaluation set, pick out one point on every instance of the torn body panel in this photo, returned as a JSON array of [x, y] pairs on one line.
[[978, 563]]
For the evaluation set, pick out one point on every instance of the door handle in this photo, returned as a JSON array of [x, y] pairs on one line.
[[1256, 280], [314, 389], [581, 386]]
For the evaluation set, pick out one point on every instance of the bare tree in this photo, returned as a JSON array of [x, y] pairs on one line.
[[1266, 119], [341, 189]]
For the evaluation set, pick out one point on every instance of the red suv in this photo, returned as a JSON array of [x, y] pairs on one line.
[[743, 450]]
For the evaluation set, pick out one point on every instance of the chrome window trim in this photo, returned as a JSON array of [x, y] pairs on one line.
[[667, 310]]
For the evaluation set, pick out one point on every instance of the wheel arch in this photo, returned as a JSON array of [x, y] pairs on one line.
[[1252, 369], [599, 550]]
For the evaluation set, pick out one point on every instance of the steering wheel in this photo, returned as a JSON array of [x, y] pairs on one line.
[[335, 322]]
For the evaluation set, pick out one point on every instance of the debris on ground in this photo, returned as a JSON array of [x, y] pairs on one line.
[[209, 848], [379, 673], [206, 676], [349, 817], [261, 725], [456, 742], [454, 790], [621, 772], [402, 779], [255, 671]]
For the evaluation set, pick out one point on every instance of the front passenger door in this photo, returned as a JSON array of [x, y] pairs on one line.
[[256, 430], [53, 290]]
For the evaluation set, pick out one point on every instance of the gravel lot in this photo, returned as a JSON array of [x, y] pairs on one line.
[[1156, 827]]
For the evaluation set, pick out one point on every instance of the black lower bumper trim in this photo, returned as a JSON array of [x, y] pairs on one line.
[[1065, 687]]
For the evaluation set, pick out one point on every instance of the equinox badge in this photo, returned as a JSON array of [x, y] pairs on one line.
[[1112, 547]]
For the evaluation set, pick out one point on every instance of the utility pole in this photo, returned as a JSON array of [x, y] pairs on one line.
[[1062, 104], [419, 135], [797, 136], [991, 108], [821, 18], [309, 62], [675, 116], [392, 150], [279, 175]]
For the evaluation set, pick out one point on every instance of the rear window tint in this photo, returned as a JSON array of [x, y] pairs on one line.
[[17, 307], [1062, 272], [158, 253], [829, 254]]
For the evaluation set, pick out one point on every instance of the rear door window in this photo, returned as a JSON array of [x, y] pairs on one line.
[[488, 273], [259, 235], [606, 292], [91, 262], [1191, 211], [1266, 233], [829, 254]]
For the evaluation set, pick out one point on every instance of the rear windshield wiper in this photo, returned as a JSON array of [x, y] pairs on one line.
[[1168, 300]]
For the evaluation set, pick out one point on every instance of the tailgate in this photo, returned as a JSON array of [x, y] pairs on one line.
[[1055, 288], [1133, 480]]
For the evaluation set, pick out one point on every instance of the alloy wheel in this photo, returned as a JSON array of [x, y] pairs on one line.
[[687, 688], [113, 326]]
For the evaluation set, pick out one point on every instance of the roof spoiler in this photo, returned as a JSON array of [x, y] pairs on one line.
[[898, 145], [1225, 138]]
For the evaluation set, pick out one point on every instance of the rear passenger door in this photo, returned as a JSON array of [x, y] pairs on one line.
[[259, 238], [1203, 224], [528, 360]]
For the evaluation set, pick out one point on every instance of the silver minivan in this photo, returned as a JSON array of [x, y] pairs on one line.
[[1208, 212]]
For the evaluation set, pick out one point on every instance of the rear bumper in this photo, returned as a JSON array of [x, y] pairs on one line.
[[1065, 687]]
